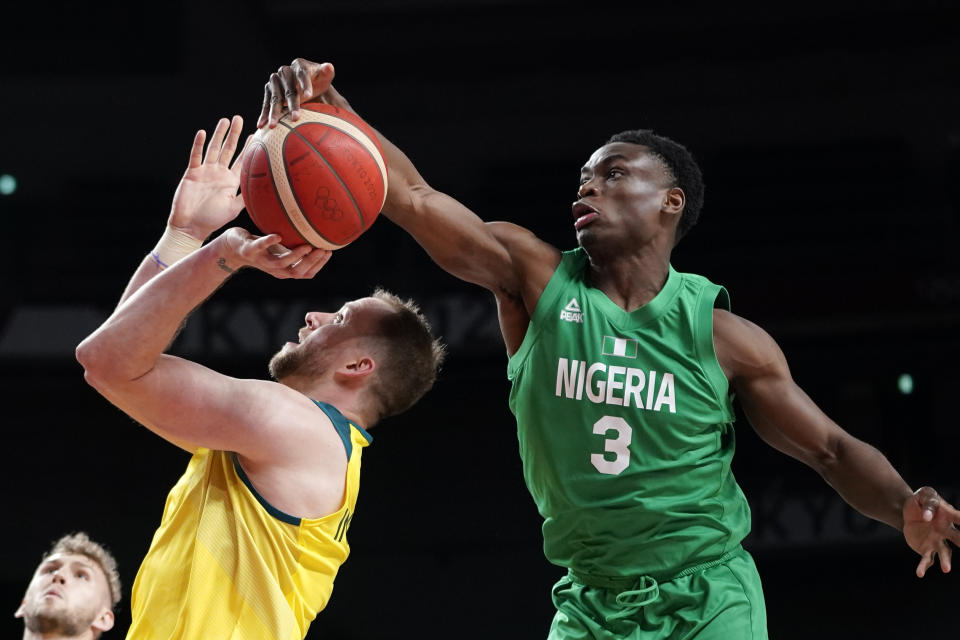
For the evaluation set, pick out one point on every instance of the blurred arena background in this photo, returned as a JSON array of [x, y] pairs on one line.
[[829, 137]]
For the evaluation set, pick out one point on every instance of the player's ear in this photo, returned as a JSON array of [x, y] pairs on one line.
[[104, 621], [673, 201], [357, 369]]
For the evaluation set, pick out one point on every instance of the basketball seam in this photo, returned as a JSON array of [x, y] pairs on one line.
[[335, 175], [276, 192], [361, 126]]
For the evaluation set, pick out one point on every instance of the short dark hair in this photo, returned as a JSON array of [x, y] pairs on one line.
[[681, 168], [412, 357]]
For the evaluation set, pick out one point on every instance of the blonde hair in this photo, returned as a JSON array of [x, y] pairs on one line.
[[80, 544]]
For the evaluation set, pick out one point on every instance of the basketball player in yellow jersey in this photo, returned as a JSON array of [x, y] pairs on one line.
[[254, 532]]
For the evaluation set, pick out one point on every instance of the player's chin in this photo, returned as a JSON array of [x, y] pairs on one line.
[[586, 237]]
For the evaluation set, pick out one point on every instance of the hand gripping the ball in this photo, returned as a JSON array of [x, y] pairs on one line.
[[318, 173], [300, 81], [243, 249]]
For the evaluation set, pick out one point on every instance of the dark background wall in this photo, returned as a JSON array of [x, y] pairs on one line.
[[829, 139]]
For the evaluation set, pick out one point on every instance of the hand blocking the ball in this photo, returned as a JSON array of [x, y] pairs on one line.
[[320, 180]]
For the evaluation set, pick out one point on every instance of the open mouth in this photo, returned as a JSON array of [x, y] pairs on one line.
[[583, 214]]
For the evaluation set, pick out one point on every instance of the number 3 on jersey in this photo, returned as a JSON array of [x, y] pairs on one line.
[[618, 445]]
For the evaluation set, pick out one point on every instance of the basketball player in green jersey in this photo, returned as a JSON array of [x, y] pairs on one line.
[[623, 374]]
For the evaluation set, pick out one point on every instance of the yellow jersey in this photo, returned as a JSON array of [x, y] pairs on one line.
[[225, 564]]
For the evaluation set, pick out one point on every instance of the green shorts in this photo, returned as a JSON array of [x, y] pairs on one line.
[[720, 600]]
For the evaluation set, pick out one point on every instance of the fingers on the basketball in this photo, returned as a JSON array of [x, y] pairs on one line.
[[303, 78], [278, 250], [318, 82], [291, 92], [306, 258], [265, 107], [275, 99], [327, 72], [291, 264], [253, 246], [301, 252], [293, 258], [230, 143], [263, 243]]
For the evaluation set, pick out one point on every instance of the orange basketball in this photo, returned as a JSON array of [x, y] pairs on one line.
[[321, 180]]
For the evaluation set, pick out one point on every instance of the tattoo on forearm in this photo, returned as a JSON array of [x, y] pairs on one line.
[[222, 263]]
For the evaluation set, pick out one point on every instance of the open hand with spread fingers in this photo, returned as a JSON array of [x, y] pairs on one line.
[[930, 526], [208, 195]]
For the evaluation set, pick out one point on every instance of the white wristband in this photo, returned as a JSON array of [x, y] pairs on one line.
[[173, 245]]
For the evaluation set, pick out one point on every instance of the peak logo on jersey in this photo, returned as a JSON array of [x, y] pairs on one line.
[[623, 347], [571, 312], [621, 386]]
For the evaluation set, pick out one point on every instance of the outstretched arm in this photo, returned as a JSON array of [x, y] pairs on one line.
[[504, 258], [786, 418], [184, 402]]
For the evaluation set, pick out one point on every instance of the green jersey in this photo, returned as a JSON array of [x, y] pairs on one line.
[[625, 423]]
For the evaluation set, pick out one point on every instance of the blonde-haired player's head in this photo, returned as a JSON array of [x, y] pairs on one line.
[[381, 345], [73, 592]]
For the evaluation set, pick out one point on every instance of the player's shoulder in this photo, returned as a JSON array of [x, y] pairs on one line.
[[274, 390], [520, 241], [533, 260], [284, 408], [727, 321], [290, 430], [734, 328], [742, 345]]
